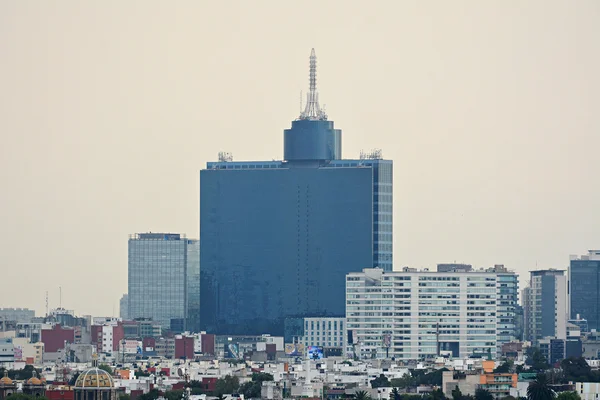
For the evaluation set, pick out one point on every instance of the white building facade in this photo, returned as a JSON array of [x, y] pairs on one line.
[[325, 332], [411, 315]]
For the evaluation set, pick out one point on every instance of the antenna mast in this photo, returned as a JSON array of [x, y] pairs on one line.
[[312, 111]]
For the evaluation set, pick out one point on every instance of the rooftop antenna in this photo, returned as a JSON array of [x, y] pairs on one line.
[[312, 111], [46, 303], [60, 297]]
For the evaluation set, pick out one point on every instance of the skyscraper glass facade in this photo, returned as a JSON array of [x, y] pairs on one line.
[[157, 277], [193, 286], [277, 238], [584, 288]]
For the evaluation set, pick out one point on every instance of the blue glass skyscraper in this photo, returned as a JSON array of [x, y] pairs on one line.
[[277, 238]]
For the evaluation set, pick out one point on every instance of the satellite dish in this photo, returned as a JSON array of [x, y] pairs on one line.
[[181, 372]]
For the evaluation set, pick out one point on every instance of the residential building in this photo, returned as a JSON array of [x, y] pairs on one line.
[[498, 384], [508, 291], [158, 278], [412, 314], [278, 237], [7, 351], [588, 390], [545, 305], [584, 288]]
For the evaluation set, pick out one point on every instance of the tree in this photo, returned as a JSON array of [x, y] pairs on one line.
[[227, 385], [576, 369], [405, 381], [539, 389], [73, 379], [362, 395], [456, 394], [381, 381], [124, 396], [251, 390], [482, 394], [174, 395], [139, 372], [568, 396], [536, 360], [151, 395], [437, 394], [394, 394], [504, 368], [106, 368]]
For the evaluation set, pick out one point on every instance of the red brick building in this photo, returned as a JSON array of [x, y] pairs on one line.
[[54, 339]]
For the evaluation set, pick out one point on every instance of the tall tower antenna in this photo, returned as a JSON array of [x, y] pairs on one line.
[[46, 303], [60, 297], [312, 111]]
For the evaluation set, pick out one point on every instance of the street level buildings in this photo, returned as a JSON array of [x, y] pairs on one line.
[[413, 314], [584, 288], [278, 237]]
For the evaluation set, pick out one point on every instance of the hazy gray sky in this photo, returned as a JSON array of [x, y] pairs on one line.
[[489, 109]]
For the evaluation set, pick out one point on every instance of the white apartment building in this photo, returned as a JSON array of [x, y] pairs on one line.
[[411, 314], [325, 332], [588, 390]]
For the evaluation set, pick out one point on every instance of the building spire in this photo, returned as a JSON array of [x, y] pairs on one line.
[[313, 111]]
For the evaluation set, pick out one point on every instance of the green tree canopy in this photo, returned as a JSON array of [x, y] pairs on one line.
[[536, 360], [227, 385], [251, 390], [456, 394], [362, 395], [380, 381], [568, 396], [106, 367], [482, 394], [539, 389], [576, 369]]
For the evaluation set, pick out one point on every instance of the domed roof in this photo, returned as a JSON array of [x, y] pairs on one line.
[[34, 381], [5, 380], [94, 378]]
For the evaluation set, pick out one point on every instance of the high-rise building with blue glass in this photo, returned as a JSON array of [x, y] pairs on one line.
[[163, 280], [584, 288], [277, 238]]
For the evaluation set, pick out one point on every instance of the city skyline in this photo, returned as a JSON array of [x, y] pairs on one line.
[[486, 109]]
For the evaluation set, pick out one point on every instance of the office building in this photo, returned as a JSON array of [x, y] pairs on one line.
[[329, 333], [193, 286], [278, 237], [16, 314], [545, 306], [584, 288], [160, 265], [123, 304], [412, 314]]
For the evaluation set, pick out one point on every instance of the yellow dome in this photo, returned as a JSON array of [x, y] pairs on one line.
[[34, 381], [94, 378], [5, 380]]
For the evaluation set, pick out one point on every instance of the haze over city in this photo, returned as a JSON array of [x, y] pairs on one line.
[[110, 110]]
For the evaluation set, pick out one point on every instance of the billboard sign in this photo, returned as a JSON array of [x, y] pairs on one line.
[[294, 349], [315, 352]]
